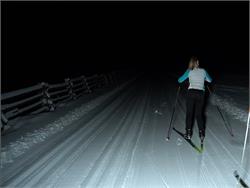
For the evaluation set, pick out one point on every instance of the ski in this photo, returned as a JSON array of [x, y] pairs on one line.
[[201, 146], [241, 181], [189, 141]]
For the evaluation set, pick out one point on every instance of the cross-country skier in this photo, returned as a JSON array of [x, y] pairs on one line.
[[195, 96]]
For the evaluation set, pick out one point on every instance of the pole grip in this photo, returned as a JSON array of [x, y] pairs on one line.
[[209, 90]]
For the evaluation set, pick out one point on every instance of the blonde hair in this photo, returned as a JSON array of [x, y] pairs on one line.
[[193, 59], [194, 62]]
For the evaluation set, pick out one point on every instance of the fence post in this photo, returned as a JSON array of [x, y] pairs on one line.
[[101, 81], [70, 88], [110, 77], [46, 97], [86, 83], [4, 121], [105, 79]]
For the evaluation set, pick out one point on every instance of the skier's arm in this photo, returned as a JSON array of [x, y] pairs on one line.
[[207, 77], [184, 76]]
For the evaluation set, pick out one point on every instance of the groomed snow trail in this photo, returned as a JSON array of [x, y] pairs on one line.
[[123, 144]]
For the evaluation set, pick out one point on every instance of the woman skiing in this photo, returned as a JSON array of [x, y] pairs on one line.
[[195, 96]]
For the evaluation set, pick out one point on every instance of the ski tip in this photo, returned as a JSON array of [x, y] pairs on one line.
[[235, 173], [240, 181], [167, 138], [201, 148]]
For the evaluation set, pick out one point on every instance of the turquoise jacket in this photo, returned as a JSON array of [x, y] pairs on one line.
[[196, 77]]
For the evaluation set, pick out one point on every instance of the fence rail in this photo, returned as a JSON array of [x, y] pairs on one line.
[[45, 97]]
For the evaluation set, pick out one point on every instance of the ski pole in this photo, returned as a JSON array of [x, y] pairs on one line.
[[236, 174], [170, 125], [246, 136], [229, 128]]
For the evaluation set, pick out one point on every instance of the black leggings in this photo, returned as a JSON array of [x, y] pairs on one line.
[[195, 103]]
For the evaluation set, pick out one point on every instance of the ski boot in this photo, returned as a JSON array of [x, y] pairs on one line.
[[188, 134], [202, 135]]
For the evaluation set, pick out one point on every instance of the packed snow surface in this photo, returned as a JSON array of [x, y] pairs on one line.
[[118, 140]]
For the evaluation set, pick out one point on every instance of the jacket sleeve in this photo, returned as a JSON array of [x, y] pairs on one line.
[[184, 76], [207, 77]]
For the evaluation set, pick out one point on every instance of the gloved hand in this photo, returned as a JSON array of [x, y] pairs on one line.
[[210, 86]]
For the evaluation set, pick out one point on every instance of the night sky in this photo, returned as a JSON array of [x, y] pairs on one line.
[[51, 41]]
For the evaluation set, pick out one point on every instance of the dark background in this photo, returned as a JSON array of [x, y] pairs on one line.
[[49, 41]]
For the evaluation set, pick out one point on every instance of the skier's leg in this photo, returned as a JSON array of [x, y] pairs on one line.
[[189, 114], [199, 103]]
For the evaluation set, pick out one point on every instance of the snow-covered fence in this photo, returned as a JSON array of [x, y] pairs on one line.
[[20, 101], [45, 97], [58, 92]]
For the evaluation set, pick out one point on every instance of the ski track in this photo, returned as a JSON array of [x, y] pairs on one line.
[[130, 172], [76, 155], [118, 168], [43, 163], [154, 143], [157, 171], [111, 146], [112, 136], [156, 167], [123, 145]]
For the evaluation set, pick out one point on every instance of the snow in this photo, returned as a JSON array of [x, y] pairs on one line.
[[118, 140], [24, 143], [229, 105]]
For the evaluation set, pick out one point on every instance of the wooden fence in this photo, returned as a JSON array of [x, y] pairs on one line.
[[45, 97]]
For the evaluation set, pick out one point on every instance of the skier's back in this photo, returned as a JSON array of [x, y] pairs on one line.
[[195, 97]]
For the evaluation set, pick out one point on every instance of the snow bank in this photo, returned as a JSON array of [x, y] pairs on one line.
[[24, 143], [229, 105]]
